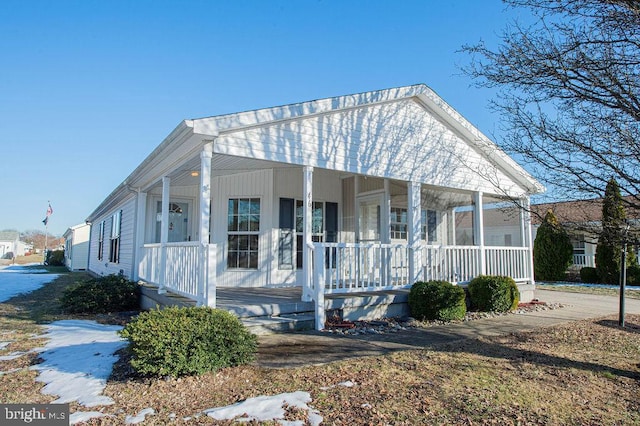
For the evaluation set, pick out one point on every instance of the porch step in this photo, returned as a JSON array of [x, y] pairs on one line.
[[150, 299], [278, 324], [262, 310]]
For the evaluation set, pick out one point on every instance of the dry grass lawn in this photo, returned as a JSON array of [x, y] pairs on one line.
[[583, 373]]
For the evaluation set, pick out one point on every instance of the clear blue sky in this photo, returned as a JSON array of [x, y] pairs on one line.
[[89, 88]]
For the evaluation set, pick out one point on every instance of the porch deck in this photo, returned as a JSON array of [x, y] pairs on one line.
[[273, 309]]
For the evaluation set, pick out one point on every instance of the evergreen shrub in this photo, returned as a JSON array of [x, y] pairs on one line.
[[55, 258], [492, 293], [437, 300], [111, 293], [552, 250], [180, 341]]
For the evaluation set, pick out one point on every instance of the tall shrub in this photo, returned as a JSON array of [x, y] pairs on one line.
[[609, 248], [552, 250]]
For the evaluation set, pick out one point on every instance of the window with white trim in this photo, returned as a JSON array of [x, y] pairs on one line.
[[101, 240], [324, 228], [114, 241], [243, 230], [398, 223], [428, 224]]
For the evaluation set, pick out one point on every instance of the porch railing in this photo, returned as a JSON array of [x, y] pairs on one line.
[[583, 260], [347, 268], [186, 269]]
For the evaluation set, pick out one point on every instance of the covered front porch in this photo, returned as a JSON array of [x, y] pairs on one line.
[[345, 234]]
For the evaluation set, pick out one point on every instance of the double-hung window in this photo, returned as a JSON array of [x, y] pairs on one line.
[[101, 240], [324, 228], [428, 224], [243, 230], [114, 241]]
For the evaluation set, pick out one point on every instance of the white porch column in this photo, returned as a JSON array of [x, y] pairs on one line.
[[164, 231], [528, 235], [206, 286], [141, 221], [451, 218], [307, 213], [414, 225], [386, 255], [356, 211], [478, 229]]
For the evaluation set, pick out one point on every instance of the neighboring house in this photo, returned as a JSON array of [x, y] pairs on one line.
[[76, 247], [348, 194], [11, 246], [582, 219]]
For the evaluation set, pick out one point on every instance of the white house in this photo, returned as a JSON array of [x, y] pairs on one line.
[[11, 246], [349, 194], [582, 219], [76, 247]]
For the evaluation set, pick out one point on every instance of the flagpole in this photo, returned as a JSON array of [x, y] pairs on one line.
[[46, 234]]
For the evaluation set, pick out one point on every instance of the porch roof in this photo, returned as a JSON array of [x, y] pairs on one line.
[[342, 130]]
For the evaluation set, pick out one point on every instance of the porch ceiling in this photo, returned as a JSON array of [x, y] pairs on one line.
[[188, 175]]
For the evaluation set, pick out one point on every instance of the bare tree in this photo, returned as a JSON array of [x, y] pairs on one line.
[[568, 90]]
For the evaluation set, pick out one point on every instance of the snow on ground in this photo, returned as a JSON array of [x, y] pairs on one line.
[[17, 279], [139, 418], [79, 356], [266, 408], [77, 361]]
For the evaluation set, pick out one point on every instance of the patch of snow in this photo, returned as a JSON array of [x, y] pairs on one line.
[[4, 345], [267, 408], [13, 370], [347, 384], [17, 279], [139, 418], [78, 359], [12, 355], [83, 416]]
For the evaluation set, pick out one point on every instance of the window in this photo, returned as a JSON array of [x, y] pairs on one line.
[[317, 227], [243, 229], [398, 223], [324, 227], [101, 240], [428, 224], [114, 242]]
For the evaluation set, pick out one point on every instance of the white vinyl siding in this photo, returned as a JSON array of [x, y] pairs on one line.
[[399, 140], [125, 243], [254, 185]]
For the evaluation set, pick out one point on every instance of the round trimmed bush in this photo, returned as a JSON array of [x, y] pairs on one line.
[[492, 293], [437, 300], [589, 275], [184, 341], [112, 293]]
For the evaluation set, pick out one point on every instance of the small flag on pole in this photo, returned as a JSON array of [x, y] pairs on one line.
[[49, 213]]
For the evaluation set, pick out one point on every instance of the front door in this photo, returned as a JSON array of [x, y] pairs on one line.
[[178, 222], [369, 218]]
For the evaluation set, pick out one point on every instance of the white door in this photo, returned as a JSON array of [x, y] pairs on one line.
[[178, 222]]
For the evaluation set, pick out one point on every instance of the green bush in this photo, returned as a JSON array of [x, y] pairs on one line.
[[437, 300], [183, 341], [633, 275], [589, 275], [552, 250], [112, 293], [55, 258], [492, 293]]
